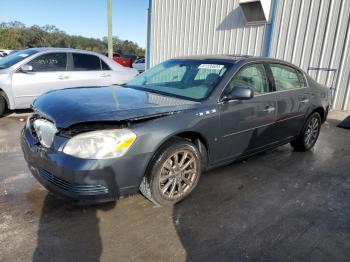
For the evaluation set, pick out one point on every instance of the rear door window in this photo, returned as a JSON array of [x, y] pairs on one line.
[[286, 77], [85, 62], [50, 62]]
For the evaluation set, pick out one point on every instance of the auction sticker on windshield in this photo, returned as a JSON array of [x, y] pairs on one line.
[[211, 66]]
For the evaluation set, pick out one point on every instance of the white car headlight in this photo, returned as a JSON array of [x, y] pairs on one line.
[[100, 144]]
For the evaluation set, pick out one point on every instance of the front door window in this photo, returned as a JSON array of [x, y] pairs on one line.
[[51, 62], [252, 76]]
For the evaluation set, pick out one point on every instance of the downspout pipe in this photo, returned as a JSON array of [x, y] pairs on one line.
[[149, 30], [270, 30]]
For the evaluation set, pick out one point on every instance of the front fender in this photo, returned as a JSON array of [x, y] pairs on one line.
[[6, 89], [152, 134]]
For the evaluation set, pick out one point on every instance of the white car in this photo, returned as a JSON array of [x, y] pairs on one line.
[[26, 74], [5, 52], [139, 65]]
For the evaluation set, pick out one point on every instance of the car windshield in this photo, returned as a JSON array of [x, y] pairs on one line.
[[188, 79], [139, 61], [15, 57]]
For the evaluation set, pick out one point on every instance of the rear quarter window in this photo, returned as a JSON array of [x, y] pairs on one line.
[[302, 79], [104, 66]]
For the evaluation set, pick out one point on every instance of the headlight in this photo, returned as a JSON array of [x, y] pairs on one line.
[[100, 144], [45, 132]]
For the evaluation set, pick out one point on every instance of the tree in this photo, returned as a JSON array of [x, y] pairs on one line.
[[15, 35]]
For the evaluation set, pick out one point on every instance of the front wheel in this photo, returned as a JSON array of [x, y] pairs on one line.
[[174, 173], [309, 134]]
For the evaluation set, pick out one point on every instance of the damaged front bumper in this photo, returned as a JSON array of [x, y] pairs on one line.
[[82, 180]]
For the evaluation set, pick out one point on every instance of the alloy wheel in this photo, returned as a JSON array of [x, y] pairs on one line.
[[311, 131], [178, 174]]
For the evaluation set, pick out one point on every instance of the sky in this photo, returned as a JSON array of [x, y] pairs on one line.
[[81, 17]]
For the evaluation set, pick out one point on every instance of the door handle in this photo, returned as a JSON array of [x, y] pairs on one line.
[[106, 75], [306, 100], [61, 77], [269, 109]]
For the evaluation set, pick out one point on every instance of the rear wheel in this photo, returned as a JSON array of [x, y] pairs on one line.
[[2, 106], [174, 173], [309, 134]]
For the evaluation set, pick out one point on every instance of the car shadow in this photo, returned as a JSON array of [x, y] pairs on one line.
[[68, 232], [213, 223], [17, 112], [265, 208]]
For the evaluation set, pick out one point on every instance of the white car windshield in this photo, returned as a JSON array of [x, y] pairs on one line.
[[15, 57], [188, 79]]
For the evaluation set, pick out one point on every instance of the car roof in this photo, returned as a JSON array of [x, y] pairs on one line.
[[222, 58], [44, 49], [233, 58]]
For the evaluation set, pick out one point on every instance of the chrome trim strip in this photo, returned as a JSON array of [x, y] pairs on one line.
[[27, 96], [269, 93], [246, 130], [293, 89], [243, 131], [278, 121]]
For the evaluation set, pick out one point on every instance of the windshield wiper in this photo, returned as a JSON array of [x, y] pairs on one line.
[[159, 92], [155, 91]]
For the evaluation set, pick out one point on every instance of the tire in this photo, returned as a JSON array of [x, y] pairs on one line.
[[2, 106], [309, 134], [171, 177]]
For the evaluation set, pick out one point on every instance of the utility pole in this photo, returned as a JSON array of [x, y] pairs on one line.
[[110, 34]]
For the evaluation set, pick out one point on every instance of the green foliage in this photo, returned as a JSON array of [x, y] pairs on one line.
[[15, 35]]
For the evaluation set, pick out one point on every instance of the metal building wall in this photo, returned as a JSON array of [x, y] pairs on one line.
[[308, 33], [315, 33], [194, 27]]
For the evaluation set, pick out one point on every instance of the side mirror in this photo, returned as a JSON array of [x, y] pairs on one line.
[[239, 93], [26, 68]]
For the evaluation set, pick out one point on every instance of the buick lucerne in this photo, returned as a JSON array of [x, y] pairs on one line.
[[160, 131]]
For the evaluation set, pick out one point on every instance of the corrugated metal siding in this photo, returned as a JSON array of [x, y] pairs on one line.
[[308, 33], [195, 27], [316, 34]]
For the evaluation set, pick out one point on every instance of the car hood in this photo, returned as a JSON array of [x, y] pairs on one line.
[[72, 106]]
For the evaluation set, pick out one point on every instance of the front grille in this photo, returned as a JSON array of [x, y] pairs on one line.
[[82, 189]]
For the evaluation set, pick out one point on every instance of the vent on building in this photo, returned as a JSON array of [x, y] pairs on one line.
[[256, 11]]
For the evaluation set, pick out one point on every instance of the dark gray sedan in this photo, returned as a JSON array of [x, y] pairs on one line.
[[158, 133]]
